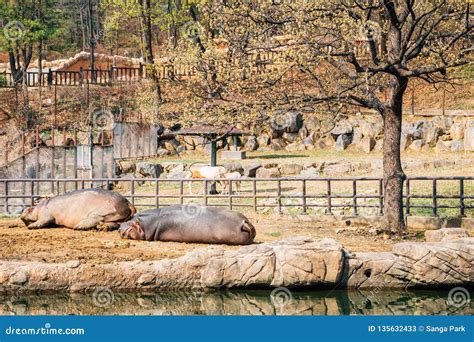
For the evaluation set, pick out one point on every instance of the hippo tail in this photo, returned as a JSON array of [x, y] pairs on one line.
[[250, 229]]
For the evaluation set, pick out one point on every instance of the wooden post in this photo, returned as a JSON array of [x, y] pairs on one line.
[[50, 78], [140, 71], [55, 105], [81, 76]]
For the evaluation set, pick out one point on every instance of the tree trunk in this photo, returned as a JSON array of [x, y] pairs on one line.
[[393, 175]]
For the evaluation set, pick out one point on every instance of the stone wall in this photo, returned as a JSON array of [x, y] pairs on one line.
[[296, 262], [297, 131]]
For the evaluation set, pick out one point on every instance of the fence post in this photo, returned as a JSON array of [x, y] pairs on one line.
[[304, 195], [408, 195], [81, 76], [461, 196], [5, 203], [435, 200], [354, 197], [140, 71], [111, 75], [279, 196], [329, 196], [157, 191], [50, 78]]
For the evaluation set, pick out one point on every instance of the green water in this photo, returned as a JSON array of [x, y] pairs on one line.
[[255, 302]]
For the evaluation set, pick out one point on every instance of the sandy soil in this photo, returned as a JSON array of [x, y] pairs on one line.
[[61, 244]]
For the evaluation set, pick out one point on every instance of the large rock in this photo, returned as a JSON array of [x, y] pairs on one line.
[[366, 144], [250, 170], [296, 147], [416, 145], [441, 147], [251, 144], [277, 145], [268, 173], [430, 133], [147, 169], [457, 146], [342, 142], [445, 234], [469, 136], [312, 123], [291, 169], [263, 140], [457, 130], [342, 127]]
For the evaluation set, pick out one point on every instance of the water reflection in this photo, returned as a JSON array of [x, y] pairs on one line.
[[256, 302]]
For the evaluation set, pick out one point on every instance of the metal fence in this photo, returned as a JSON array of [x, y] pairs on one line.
[[429, 196]]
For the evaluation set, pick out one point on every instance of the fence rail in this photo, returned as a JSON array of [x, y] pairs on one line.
[[430, 196]]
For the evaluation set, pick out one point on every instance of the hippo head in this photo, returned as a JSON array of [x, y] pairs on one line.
[[29, 215], [132, 230]]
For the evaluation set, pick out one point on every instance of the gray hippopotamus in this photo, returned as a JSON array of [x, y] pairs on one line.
[[189, 223], [81, 209]]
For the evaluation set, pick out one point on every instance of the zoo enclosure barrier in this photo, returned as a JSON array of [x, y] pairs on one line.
[[428, 196]]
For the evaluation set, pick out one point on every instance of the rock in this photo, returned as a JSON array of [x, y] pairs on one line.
[[268, 173], [73, 263], [342, 142], [366, 144], [147, 169], [146, 279], [171, 145], [251, 170], [289, 137], [179, 175], [293, 122], [234, 167], [263, 140], [291, 169], [378, 146], [416, 145], [251, 144], [430, 133], [445, 234], [303, 133], [312, 123], [457, 146], [126, 166], [457, 130], [338, 168], [441, 147], [469, 136], [342, 127], [369, 129], [162, 152], [357, 135], [19, 278], [309, 173], [172, 167], [295, 147], [308, 142], [277, 145]]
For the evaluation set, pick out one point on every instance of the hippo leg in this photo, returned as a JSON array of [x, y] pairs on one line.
[[40, 223], [88, 223], [44, 219], [108, 226]]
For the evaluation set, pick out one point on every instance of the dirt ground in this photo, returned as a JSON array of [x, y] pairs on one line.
[[61, 244]]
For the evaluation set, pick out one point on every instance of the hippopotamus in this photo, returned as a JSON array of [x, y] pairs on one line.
[[193, 224], [81, 210]]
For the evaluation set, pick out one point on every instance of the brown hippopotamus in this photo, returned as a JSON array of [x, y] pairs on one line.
[[81, 209], [189, 223]]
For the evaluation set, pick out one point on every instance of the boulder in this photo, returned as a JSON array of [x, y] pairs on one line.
[[171, 145], [290, 137], [457, 130], [296, 147], [162, 152], [338, 168], [312, 123], [251, 144], [268, 173], [457, 145], [366, 144], [126, 166], [445, 234], [293, 122], [179, 175], [357, 135], [342, 142], [277, 145], [310, 172], [250, 170], [441, 147], [369, 129], [469, 136], [263, 140], [430, 133], [342, 127], [291, 169], [147, 169], [416, 145]]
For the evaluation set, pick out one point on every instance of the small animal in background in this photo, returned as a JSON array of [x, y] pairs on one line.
[[233, 177]]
